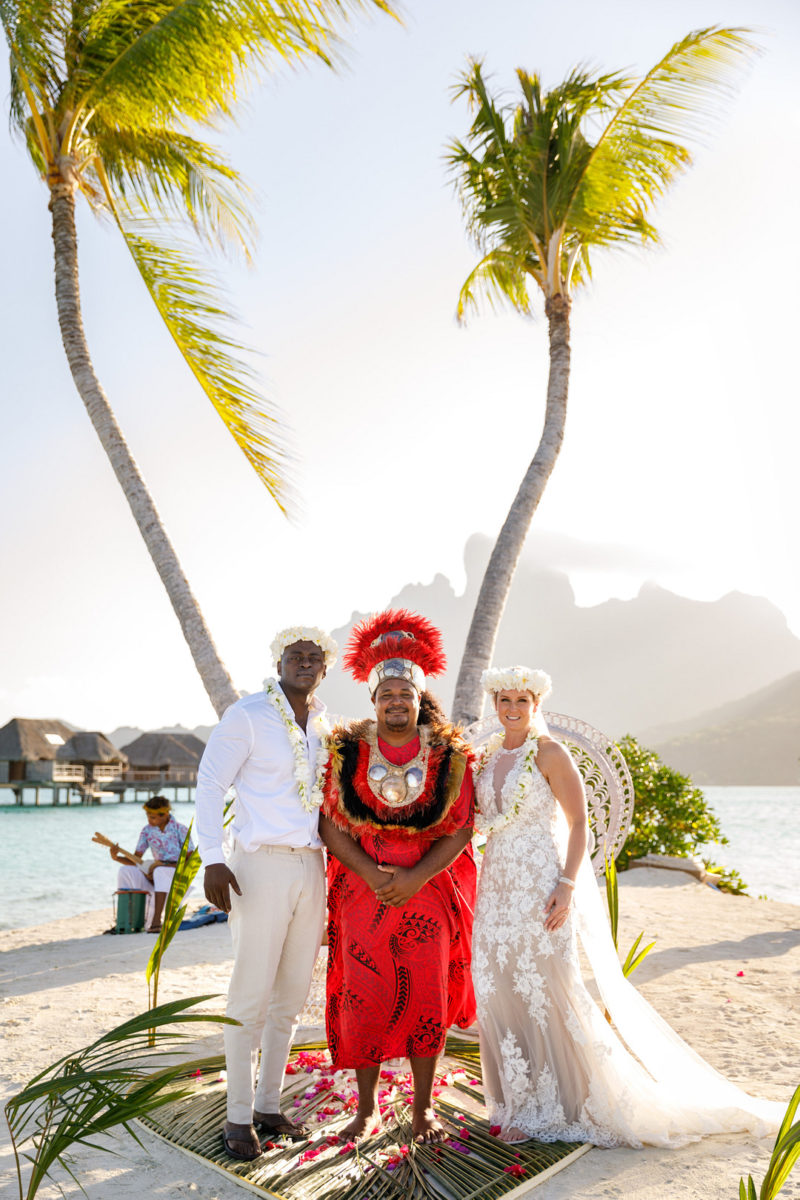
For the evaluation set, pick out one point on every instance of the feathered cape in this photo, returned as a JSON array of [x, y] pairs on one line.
[[351, 805]]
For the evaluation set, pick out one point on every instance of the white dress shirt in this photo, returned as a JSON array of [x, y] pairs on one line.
[[250, 751]]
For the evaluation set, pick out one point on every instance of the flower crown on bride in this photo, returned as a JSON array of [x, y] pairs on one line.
[[516, 679]]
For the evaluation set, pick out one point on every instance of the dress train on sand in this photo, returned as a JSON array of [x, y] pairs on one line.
[[554, 1068]]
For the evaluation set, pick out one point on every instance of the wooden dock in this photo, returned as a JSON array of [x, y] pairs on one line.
[[58, 792]]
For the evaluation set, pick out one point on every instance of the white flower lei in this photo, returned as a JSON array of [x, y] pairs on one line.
[[310, 797], [486, 824]]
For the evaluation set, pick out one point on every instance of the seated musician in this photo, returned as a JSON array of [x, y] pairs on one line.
[[163, 836]]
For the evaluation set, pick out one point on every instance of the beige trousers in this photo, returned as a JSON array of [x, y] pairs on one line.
[[276, 926]]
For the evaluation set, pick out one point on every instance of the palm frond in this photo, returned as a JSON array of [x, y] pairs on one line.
[[486, 174], [612, 896], [785, 1153], [187, 303], [642, 149], [111, 1082], [158, 59], [163, 170], [33, 31], [635, 957], [500, 280], [174, 911], [186, 869]]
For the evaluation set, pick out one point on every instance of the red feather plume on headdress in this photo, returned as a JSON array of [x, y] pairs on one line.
[[424, 647]]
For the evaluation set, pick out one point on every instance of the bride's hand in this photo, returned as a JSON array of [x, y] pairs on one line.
[[556, 909]]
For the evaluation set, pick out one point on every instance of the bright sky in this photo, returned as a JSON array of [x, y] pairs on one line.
[[411, 433]]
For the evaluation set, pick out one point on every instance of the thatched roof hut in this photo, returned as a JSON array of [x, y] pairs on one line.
[[28, 740], [164, 750], [91, 749], [28, 749]]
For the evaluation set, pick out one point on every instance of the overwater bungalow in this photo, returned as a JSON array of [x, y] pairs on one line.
[[163, 759], [101, 763], [28, 750]]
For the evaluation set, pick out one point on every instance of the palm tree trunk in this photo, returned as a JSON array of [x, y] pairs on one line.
[[213, 672], [468, 699]]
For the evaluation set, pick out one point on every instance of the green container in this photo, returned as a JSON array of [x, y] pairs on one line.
[[130, 911]]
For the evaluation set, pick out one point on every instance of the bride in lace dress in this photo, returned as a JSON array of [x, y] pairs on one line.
[[554, 1068]]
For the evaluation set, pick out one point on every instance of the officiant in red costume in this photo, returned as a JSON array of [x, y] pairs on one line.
[[397, 821]]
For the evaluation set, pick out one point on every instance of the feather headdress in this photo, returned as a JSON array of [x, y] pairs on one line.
[[390, 645]]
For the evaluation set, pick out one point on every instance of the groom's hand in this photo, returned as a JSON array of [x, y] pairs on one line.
[[217, 883]]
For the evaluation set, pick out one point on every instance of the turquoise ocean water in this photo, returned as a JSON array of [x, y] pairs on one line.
[[50, 868]]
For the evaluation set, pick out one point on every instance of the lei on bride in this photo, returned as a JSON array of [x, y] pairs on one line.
[[310, 794], [485, 824]]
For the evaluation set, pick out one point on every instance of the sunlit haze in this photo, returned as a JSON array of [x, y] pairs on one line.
[[410, 432]]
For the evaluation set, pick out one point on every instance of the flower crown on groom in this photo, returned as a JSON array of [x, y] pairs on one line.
[[305, 633]]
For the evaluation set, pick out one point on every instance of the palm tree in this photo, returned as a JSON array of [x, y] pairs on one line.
[[105, 94], [544, 183]]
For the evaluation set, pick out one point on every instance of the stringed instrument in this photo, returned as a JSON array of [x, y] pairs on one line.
[[102, 840]]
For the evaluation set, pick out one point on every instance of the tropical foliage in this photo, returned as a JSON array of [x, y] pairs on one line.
[[782, 1161], [108, 98], [104, 95], [635, 957], [670, 815], [546, 182], [186, 868], [126, 1074]]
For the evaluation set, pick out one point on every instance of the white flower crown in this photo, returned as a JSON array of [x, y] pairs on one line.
[[305, 633], [517, 679]]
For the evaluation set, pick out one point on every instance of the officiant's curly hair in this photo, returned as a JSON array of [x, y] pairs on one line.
[[430, 710]]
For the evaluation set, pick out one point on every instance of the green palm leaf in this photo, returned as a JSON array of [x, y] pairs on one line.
[[174, 911], [198, 321], [785, 1153], [145, 60], [163, 170], [612, 896], [641, 151], [186, 869], [634, 959], [116, 1079], [499, 279]]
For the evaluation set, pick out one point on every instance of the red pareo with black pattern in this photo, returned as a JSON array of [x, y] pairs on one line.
[[398, 977]]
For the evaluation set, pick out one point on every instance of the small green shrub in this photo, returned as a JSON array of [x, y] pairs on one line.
[[729, 878], [671, 815]]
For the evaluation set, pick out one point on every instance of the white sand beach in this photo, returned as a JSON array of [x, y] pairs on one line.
[[725, 973]]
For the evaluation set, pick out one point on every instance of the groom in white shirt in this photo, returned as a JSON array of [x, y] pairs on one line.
[[267, 747]]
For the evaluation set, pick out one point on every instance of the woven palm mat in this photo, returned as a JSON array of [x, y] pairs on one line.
[[472, 1165]]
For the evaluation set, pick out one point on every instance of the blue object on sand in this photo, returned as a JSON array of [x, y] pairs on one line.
[[204, 916]]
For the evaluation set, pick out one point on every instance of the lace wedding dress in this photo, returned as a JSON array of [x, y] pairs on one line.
[[553, 1067]]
